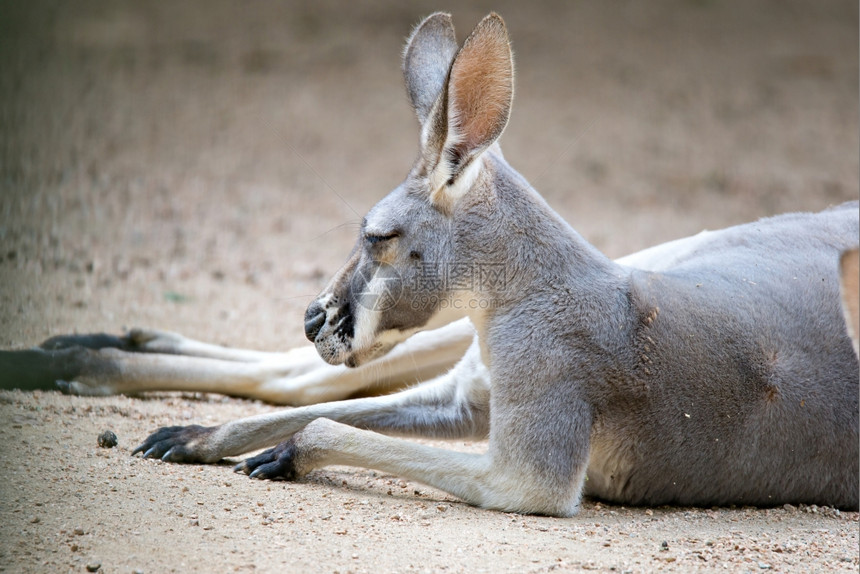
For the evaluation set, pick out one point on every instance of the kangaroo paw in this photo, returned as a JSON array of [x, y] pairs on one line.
[[178, 444], [274, 464]]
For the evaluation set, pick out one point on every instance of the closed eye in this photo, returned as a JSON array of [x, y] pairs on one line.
[[374, 239]]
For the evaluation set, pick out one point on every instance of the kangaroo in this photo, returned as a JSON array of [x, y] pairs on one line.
[[713, 370]]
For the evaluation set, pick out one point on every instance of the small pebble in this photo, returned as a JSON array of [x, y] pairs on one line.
[[35, 520], [107, 439], [93, 566], [79, 531]]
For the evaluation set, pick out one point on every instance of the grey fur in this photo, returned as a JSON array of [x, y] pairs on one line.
[[426, 60], [708, 371], [724, 378]]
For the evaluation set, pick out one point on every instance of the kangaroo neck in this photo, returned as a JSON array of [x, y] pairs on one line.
[[509, 227], [522, 252]]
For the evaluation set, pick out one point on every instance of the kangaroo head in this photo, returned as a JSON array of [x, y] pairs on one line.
[[393, 283]]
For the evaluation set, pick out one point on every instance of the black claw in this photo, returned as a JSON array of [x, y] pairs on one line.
[[271, 471], [171, 444], [274, 464]]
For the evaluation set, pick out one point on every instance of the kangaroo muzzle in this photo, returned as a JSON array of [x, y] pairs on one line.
[[315, 318]]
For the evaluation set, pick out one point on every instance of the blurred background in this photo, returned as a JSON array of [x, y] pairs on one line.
[[202, 166]]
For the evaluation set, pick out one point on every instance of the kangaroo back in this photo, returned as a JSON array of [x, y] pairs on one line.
[[740, 357]]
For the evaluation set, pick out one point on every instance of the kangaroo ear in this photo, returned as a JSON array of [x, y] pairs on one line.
[[475, 108], [849, 281], [426, 60]]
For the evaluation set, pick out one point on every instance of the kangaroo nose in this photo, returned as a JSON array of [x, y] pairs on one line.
[[314, 320]]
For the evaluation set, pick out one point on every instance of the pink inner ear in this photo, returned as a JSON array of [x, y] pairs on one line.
[[481, 87], [850, 283]]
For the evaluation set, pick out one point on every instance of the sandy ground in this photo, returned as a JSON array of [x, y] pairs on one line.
[[202, 166]]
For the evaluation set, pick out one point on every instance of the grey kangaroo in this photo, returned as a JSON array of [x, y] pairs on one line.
[[711, 370]]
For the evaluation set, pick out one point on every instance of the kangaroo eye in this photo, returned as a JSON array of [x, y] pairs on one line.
[[374, 239]]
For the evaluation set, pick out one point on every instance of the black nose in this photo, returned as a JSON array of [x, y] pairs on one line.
[[314, 320]]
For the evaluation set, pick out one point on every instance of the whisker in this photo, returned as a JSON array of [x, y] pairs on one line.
[[354, 224]]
